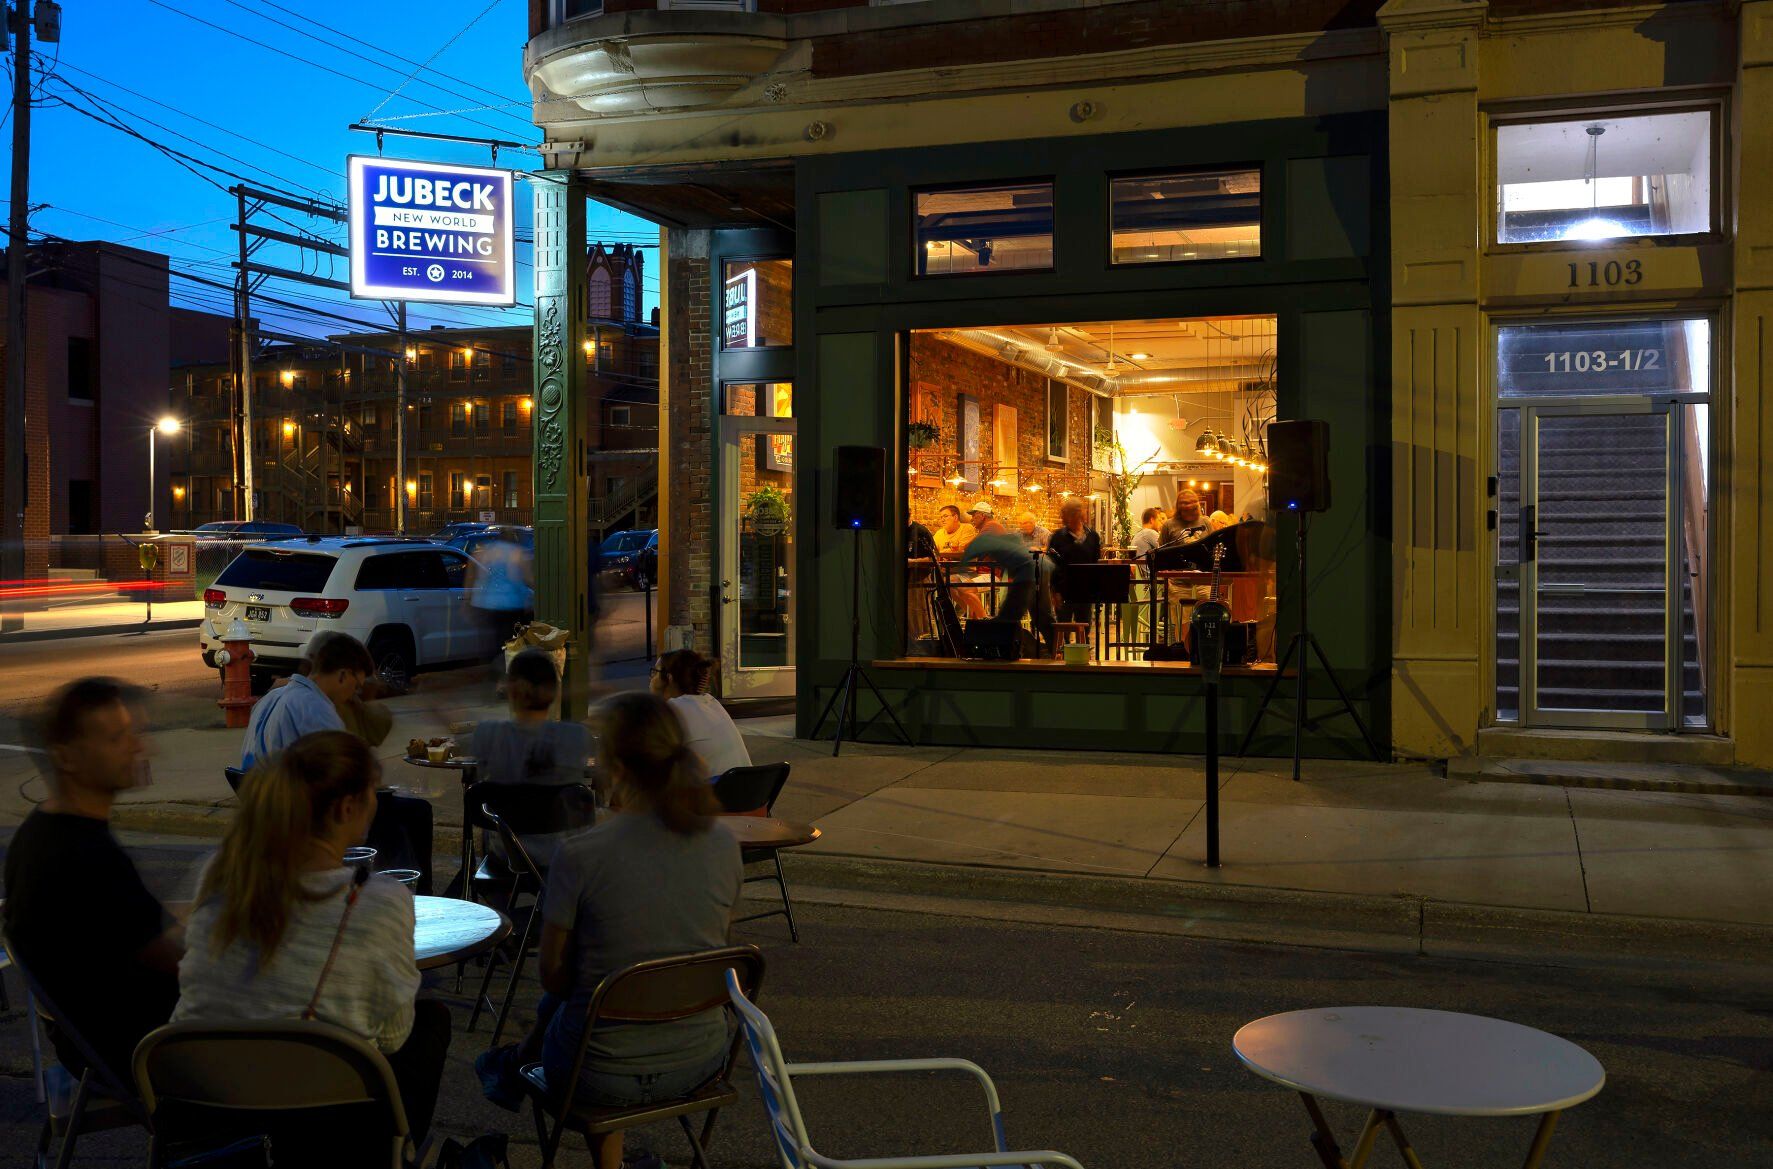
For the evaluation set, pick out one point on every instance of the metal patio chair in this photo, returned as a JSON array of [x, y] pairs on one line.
[[775, 1082], [249, 1072], [658, 991], [752, 791], [527, 879]]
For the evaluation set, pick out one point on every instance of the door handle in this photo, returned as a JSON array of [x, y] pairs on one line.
[[1530, 533]]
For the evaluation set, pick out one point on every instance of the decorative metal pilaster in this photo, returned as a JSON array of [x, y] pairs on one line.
[[562, 490]]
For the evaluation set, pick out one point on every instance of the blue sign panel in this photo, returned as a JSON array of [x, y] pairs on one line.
[[431, 231]]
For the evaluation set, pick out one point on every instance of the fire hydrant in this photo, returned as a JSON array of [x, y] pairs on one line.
[[235, 659]]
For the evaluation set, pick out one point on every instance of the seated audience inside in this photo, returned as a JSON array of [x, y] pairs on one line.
[[658, 878], [78, 916], [284, 929], [681, 678]]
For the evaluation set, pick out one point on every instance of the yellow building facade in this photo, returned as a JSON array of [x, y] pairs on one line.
[[1568, 250]]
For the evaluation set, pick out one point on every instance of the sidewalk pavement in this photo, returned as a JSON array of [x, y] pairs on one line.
[[105, 617], [1111, 831]]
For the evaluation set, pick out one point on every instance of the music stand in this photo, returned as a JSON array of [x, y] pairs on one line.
[[1302, 640], [1106, 582], [856, 673]]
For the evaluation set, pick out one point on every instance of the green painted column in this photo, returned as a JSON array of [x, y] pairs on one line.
[[559, 430]]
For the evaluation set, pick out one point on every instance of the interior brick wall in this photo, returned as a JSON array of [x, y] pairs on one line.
[[948, 371]]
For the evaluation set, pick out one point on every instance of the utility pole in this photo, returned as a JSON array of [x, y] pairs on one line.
[[243, 310], [400, 421], [12, 539]]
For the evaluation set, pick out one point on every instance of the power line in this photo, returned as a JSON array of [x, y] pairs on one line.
[[371, 60], [460, 33], [186, 113], [269, 48], [378, 48]]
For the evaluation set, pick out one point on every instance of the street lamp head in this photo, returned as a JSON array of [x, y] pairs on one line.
[[168, 425]]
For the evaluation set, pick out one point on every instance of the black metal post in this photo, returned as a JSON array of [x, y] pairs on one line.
[[1212, 775], [1303, 635]]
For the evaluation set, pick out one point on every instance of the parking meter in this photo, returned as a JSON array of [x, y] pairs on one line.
[[149, 555]]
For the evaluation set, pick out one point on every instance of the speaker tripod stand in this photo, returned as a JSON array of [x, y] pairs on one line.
[[856, 676], [1303, 642]]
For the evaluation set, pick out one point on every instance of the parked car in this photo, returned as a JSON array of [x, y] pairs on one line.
[[245, 530], [408, 601], [472, 542], [642, 570], [617, 553], [451, 531]]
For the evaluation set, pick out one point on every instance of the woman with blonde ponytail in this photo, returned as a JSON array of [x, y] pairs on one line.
[[282, 929], [660, 877]]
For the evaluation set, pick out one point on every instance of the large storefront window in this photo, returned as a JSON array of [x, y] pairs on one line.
[[1603, 523], [984, 229], [1604, 177], [1187, 216], [1026, 546]]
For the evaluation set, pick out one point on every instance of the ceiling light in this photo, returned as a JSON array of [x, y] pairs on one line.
[[1052, 341], [1139, 356], [1596, 227], [1204, 445]]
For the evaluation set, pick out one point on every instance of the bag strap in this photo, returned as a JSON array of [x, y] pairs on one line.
[[357, 882]]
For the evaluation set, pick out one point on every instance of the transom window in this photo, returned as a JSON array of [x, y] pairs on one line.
[[1604, 177], [984, 229], [1187, 215]]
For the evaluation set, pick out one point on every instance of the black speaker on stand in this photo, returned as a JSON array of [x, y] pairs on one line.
[[858, 503], [1299, 481]]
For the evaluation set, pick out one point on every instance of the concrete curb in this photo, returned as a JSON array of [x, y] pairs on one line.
[[1553, 773], [1400, 924], [96, 631]]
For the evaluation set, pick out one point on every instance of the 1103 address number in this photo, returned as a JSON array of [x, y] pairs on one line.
[[1608, 274]]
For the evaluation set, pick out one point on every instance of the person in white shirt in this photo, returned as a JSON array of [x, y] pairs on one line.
[[278, 899], [681, 679]]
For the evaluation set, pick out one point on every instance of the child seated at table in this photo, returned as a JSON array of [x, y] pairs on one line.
[[530, 746], [658, 878], [278, 902]]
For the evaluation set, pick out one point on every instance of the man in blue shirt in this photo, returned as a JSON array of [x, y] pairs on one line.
[[337, 665]]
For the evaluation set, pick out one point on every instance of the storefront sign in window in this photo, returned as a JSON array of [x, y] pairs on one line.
[[738, 318], [429, 231]]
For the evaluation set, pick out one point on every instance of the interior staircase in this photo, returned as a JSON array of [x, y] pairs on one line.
[[1601, 502]]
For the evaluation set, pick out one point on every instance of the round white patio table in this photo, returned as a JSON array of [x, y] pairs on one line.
[[1404, 1059]]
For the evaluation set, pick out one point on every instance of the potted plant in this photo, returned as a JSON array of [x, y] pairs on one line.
[[766, 510], [921, 434], [1123, 479]]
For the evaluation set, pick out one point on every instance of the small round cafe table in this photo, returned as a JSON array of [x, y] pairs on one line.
[[447, 931], [1404, 1059], [767, 832]]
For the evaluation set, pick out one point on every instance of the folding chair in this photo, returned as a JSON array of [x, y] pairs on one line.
[[752, 791], [775, 1081], [31, 1021], [235, 778], [527, 878], [658, 991], [402, 834], [98, 1100], [195, 1077], [531, 809]]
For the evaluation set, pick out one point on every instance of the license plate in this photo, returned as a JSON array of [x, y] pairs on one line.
[[258, 612]]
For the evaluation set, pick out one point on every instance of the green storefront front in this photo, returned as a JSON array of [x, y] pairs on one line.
[[898, 315]]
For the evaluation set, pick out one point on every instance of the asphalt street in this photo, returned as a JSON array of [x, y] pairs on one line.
[[169, 665], [1114, 1046]]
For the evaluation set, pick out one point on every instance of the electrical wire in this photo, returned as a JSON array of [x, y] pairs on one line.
[[314, 64], [379, 65], [460, 33]]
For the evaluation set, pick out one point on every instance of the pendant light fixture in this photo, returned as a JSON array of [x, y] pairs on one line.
[[1596, 226]]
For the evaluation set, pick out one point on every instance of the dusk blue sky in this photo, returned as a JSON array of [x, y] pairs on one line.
[[266, 88]]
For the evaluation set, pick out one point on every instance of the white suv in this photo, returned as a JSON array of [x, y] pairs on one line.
[[407, 600]]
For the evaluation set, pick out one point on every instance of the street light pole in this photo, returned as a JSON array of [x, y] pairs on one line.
[[12, 533], [167, 425]]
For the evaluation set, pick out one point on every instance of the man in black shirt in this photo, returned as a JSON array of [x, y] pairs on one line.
[[77, 914], [1073, 543]]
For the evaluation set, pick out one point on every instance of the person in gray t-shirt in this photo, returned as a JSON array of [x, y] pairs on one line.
[[529, 747], [658, 878]]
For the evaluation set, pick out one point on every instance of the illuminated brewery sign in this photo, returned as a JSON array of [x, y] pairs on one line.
[[738, 309], [430, 231]]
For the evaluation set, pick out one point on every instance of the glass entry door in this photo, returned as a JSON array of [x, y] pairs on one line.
[[1599, 574], [756, 587]]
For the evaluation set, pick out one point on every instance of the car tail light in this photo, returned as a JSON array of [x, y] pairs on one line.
[[319, 606], [214, 598]]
